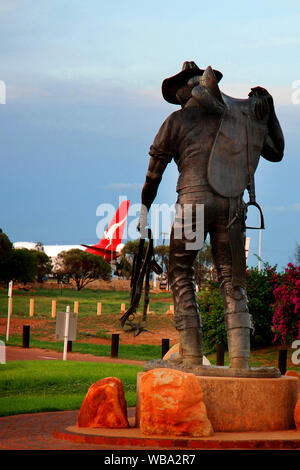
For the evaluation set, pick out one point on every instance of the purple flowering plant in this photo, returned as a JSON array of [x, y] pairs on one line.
[[286, 318]]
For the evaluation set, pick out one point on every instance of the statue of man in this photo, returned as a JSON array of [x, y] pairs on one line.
[[216, 142]]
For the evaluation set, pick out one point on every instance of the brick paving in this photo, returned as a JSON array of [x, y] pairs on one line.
[[35, 432]]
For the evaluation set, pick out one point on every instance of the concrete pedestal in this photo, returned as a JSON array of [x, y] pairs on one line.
[[246, 404]]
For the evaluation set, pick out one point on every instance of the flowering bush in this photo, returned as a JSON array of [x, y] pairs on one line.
[[286, 318], [260, 299]]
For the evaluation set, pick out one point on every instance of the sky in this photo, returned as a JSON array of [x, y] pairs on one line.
[[83, 104]]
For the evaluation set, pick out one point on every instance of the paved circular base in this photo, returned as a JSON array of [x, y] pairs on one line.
[[132, 437], [213, 371], [250, 404], [246, 404]]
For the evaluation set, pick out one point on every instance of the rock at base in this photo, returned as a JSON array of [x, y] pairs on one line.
[[104, 405], [172, 404], [293, 373], [173, 353]]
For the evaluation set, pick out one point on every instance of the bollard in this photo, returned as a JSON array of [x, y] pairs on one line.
[[31, 308], [165, 346], [282, 360], [76, 306], [26, 336], [170, 311], [99, 308], [123, 308], [53, 310], [220, 349], [114, 345]]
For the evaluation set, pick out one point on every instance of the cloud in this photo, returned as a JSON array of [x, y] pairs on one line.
[[9, 5], [282, 95], [124, 186], [277, 42], [286, 208]]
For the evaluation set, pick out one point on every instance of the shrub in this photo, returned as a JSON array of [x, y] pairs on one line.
[[212, 313], [286, 319], [260, 299]]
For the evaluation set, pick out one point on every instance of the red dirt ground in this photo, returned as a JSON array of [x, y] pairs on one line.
[[159, 328]]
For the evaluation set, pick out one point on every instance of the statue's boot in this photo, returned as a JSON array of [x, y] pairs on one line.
[[238, 338], [238, 325], [190, 348]]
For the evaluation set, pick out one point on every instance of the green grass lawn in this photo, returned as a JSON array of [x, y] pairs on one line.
[[36, 386], [87, 298], [142, 352]]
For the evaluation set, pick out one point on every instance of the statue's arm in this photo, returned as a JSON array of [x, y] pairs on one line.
[[154, 174], [161, 154]]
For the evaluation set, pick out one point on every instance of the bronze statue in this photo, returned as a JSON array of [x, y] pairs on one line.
[[216, 142]]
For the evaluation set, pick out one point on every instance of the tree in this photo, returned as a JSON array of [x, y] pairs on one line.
[[131, 248], [260, 299], [6, 253], [22, 267], [286, 319], [82, 267], [123, 267], [203, 265], [128, 252], [43, 264], [297, 254], [162, 251]]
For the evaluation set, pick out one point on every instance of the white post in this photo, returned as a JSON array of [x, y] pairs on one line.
[[259, 251], [155, 243], [10, 286], [66, 335], [2, 353]]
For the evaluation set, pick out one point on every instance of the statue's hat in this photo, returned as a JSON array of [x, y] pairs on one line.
[[171, 85]]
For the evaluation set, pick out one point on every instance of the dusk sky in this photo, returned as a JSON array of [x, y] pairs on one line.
[[83, 104]]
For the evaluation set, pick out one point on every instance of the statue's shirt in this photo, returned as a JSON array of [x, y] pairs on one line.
[[187, 136], [216, 146]]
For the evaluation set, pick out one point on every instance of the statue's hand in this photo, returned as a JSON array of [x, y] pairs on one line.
[[263, 103]]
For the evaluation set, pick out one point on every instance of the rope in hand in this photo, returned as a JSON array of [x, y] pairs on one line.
[[143, 264]]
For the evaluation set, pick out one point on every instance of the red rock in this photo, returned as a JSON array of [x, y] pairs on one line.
[[297, 414], [294, 373], [173, 353], [172, 404], [104, 405]]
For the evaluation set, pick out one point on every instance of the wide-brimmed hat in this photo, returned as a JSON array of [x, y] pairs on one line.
[[171, 85]]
